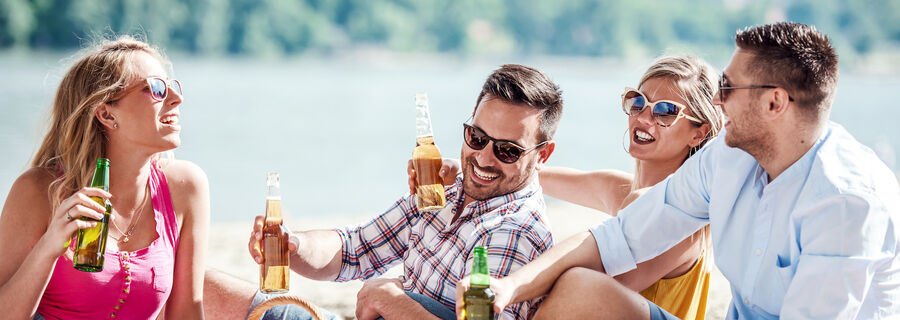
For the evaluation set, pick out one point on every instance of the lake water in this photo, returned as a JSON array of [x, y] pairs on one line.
[[340, 131]]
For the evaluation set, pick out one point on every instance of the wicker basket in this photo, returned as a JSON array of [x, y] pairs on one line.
[[257, 312]]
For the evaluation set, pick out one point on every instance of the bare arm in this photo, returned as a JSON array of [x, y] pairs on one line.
[[315, 254], [601, 190], [672, 263], [39, 236], [537, 277], [190, 197]]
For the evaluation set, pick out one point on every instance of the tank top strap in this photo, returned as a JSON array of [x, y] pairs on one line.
[[166, 223]]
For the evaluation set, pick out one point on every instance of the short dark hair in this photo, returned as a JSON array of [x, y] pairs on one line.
[[796, 57], [522, 85]]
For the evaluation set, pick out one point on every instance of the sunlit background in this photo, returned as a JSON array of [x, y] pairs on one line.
[[322, 91]]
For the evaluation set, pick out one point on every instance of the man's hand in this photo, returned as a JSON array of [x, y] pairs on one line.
[[450, 168], [503, 291], [374, 295], [256, 236]]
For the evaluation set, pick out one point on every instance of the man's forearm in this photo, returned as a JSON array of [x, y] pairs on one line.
[[403, 307], [536, 278], [318, 255]]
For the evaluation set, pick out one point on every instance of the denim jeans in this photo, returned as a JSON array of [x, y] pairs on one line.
[[292, 312]]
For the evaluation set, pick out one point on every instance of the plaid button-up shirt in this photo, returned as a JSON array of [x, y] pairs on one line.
[[436, 253]]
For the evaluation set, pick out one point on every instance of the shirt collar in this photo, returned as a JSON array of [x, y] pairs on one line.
[[476, 208]]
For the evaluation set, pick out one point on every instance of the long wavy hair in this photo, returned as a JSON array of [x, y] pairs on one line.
[[76, 137]]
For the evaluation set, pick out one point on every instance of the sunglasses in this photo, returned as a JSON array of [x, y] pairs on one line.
[[506, 151], [159, 88], [664, 112], [724, 89]]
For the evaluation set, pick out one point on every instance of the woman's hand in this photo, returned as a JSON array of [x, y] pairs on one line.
[[66, 219], [450, 168]]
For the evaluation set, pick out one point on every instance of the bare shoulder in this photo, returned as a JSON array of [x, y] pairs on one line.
[[33, 184], [31, 194], [185, 176]]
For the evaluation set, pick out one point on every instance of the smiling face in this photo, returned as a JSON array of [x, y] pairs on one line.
[[141, 121], [651, 141], [746, 128], [484, 176]]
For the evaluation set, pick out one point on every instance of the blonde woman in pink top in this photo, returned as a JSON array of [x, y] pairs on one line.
[[116, 102]]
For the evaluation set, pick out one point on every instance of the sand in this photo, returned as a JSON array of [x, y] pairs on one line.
[[228, 253]]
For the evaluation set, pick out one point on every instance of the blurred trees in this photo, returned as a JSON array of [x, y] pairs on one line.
[[562, 27]]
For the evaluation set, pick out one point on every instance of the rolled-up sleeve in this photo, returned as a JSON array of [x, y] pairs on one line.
[[665, 215], [369, 249]]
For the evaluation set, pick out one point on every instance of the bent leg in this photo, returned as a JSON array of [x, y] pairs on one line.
[[582, 293], [226, 296]]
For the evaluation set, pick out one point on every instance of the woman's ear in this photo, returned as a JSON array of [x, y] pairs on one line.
[[106, 117], [700, 135]]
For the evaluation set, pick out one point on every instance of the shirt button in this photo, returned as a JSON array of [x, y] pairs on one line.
[[746, 301], [126, 267], [125, 290], [127, 278], [116, 307], [121, 300], [112, 315], [125, 255], [758, 252]]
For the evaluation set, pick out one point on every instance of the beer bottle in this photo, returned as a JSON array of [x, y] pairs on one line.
[[427, 161], [478, 301], [90, 245], [274, 272]]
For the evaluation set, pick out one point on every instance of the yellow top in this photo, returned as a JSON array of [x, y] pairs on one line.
[[684, 296]]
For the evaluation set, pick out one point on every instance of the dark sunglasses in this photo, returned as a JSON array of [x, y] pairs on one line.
[[159, 88], [724, 89], [506, 151], [664, 112]]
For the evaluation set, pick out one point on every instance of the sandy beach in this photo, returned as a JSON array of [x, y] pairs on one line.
[[228, 242]]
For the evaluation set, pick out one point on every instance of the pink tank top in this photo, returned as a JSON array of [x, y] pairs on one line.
[[132, 285]]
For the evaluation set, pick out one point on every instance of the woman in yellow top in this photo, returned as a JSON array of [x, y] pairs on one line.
[[661, 139], [670, 116]]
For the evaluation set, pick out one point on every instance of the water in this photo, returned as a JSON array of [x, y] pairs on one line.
[[340, 132]]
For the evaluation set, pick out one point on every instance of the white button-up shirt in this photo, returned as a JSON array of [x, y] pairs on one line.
[[818, 242]]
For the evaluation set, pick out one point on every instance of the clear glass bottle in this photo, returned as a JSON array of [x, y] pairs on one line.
[[427, 161], [274, 272]]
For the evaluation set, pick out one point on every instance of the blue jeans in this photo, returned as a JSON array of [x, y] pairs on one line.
[[292, 312]]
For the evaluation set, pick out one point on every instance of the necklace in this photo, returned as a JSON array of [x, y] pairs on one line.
[[127, 235]]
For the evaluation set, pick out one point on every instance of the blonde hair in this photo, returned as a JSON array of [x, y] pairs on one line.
[[76, 137], [697, 83]]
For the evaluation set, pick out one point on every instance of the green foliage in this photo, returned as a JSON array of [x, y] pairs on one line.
[[562, 27]]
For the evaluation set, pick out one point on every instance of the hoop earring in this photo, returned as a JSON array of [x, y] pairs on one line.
[[624, 137]]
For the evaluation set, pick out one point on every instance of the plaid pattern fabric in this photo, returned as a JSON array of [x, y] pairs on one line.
[[436, 253]]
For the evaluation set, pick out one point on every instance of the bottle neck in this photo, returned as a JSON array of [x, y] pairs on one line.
[[423, 117], [101, 176], [480, 275]]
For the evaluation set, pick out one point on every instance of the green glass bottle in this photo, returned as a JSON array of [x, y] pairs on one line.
[[90, 245], [479, 299]]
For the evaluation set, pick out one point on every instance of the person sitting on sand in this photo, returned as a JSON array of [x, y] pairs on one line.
[[496, 203]]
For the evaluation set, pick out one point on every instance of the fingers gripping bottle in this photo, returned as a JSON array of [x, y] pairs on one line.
[[274, 272], [479, 299], [427, 161], [90, 245]]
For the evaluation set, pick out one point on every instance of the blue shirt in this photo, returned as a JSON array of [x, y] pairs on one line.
[[818, 242]]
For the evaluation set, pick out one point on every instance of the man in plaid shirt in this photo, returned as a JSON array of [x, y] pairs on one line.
[[496, 202]]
